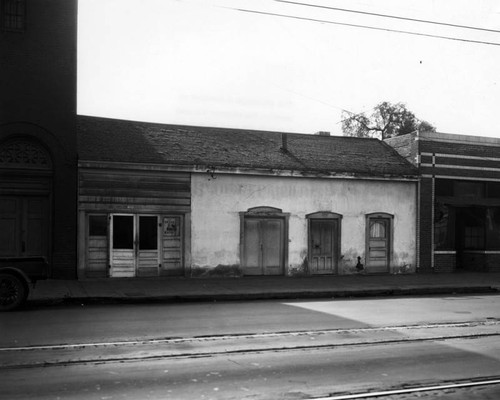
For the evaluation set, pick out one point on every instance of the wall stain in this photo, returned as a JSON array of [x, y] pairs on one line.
[[221, 270]]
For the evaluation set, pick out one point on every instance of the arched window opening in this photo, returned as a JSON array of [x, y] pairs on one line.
[[377, 230]]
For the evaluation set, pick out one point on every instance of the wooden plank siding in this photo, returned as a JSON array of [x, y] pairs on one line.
[[139, 190], [107, 189], [25, 184]]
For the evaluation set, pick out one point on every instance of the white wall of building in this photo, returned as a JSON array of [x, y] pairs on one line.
[[218, 200]]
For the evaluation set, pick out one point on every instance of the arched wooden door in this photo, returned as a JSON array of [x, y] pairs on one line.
[[25, 187], [263, 250], [324, 242], [379, 243], [264, 233]]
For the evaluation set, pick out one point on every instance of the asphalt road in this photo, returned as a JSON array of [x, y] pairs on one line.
[[250, 350]]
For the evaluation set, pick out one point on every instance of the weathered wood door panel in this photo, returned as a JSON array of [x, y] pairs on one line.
[[263, 246], [36, 226], [172, 263], [10, 227], [123, 247], [252, 247], [378, 245], [272, 246], [24, 226], [147, 240], [97, 246], [323, 246]]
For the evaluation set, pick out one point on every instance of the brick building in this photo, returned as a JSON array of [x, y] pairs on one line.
[[38, 154], [459, 200]]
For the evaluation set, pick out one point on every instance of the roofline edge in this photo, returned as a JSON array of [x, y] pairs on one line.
[[210, 169]]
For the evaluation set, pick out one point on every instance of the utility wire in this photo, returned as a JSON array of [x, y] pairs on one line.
[[360, 26], [388, 16]]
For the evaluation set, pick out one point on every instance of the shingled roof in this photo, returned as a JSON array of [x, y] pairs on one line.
[[104, 139]]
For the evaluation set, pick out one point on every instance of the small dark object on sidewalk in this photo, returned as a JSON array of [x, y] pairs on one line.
[[359, 266]]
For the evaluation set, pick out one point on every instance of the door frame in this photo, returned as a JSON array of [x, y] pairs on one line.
[[135, 239], [336, 245], [390, 238], [111, 239], [264, 212]]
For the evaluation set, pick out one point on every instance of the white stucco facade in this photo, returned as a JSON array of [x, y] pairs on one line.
[[217, 202]]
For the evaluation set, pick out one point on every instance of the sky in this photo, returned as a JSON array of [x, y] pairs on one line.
[[206, 63]]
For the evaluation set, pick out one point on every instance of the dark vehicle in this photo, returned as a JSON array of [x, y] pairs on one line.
[[17, 276]]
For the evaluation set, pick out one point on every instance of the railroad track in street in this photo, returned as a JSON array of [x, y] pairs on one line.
[[218, 345], [446, 361], [438, 387]]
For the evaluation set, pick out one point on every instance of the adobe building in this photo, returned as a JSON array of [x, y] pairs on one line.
[[166, 200], [38, 141], [459, 200]]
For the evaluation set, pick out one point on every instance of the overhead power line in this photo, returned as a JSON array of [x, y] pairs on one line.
[[388, 16], [322, 21]]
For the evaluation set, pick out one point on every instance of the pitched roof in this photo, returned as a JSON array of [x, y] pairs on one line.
[[104, 139]]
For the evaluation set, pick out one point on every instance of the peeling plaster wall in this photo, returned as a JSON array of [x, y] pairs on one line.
[[217, 202]]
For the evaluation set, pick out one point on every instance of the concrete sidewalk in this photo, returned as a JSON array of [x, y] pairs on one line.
[[137, 290]]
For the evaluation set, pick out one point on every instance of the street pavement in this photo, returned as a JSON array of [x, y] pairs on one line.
[[180, 289]]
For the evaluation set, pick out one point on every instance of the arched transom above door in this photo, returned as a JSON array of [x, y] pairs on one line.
[[24, 153]]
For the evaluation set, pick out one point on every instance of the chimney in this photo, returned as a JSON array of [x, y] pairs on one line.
[[284, 142], [322, 133]]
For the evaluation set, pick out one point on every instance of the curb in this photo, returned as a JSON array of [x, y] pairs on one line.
[[331, 294]]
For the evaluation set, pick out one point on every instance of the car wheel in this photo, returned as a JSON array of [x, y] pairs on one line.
[[13, 292]]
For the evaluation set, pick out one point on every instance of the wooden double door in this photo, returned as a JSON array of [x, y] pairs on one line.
[[24, 226], [134, 245], [263, 246]]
